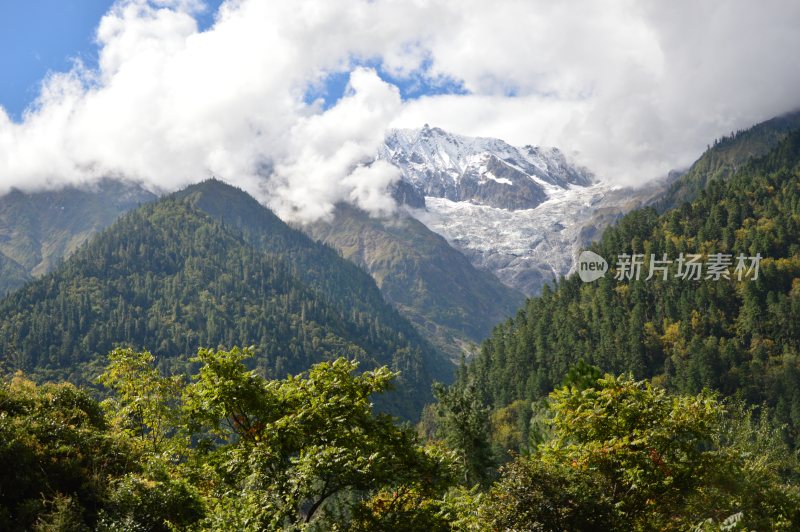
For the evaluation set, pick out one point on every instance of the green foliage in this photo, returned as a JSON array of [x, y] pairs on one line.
[[626, 455], [460, 508], [230, 450], [462, 421], [297, 442], [413, 508], [404, 510], [154, 501], [533, 495], [510, 428], [235, 451], [226, 398], [144, 404], [60, 514], [64, 467], [55, 454], [582, 376], [647, 445], [732, 522]]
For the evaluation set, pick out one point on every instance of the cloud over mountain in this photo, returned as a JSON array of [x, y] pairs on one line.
[[629, 89]]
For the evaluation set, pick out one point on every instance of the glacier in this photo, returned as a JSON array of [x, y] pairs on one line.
[[522, 213]]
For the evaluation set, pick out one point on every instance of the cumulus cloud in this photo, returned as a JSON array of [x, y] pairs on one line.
[[330, 154], [169, 105], [630, 89]]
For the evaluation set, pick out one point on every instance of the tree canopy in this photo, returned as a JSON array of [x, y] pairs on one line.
[[228, 449]]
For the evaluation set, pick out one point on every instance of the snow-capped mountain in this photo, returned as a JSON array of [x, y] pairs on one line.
[[483, 171], [522, 213]]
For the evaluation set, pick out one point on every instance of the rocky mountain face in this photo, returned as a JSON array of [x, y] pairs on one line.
[[521, 213], [431, 283], [38, 229], [483, 171]]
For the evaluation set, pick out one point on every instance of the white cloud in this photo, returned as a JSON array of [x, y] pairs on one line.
[[631, 89], [329, 154], [170, 105]]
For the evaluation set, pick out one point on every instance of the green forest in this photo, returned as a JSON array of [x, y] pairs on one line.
[[172, 277], [740, 338]]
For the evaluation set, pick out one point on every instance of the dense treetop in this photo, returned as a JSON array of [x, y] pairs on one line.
[[226, 449]]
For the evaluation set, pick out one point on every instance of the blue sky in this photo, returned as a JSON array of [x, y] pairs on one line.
[[410, 87], [38, 36]]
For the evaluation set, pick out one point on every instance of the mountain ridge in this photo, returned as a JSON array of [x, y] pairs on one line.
[[433, 284], [170, 277], [481, 170], [38, 229], [520, 213], [722, 158], [740, 337]]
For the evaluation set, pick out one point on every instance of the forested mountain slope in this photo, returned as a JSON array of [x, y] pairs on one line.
[[741, 337], [726, 155], [337, 281], [169, 277], [12, 274]]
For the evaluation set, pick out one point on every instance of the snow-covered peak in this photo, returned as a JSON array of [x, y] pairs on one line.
[[437, 146], [485, 171]]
